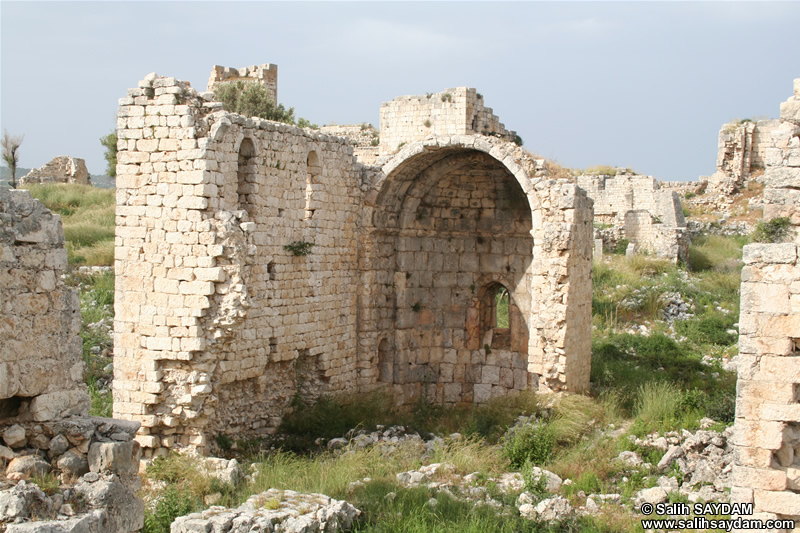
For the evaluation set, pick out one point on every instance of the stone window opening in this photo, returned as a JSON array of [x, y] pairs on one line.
[[496, 317], [271, 271], [313, 170], [245, 173]]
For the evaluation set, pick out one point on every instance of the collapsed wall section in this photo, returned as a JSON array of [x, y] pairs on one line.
[[458, 111], [266, 75], [221, 320], [41, 369]]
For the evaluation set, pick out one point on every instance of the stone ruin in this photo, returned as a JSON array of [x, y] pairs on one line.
[[61, 169], [767, 428], [258, 262], [266, 75], [637, 208], [44, 422], [742, 153]]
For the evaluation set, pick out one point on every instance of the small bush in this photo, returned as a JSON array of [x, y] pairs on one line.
[[529, 443], [251, 100], [657, 404], [776, 230], [170, 504]]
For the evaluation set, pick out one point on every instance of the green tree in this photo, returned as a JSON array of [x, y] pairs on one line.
[[253, 100], [110, 143], [11, 145]]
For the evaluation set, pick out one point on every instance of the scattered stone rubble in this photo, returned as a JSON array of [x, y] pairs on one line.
[[273, 510], [95, 461], [61, 169]]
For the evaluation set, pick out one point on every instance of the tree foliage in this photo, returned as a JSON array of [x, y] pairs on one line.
[[253, 100], [11, 144], [110, 143]]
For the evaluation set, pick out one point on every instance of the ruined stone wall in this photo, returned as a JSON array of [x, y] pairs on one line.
[[455, 111], [761, 141], [782, 176], [363, 137], [41, 369], [652, 217], [266, 75], [61, 169], [767, 428], [219, 326]]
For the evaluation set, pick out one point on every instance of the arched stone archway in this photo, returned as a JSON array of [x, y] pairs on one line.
[[449, 216]]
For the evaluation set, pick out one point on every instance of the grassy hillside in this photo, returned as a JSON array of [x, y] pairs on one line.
[[88, 215]]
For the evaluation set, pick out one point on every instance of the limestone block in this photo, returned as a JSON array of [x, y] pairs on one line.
[[770, 253], [60, 404], [758, 478], [785, 503], [117, 457], [790, 111], [781, 177]]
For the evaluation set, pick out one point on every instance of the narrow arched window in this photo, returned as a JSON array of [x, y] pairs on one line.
[[313, 170], [245, 172], [496, 316]]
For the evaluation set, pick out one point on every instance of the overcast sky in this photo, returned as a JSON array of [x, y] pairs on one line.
[[642, 85]]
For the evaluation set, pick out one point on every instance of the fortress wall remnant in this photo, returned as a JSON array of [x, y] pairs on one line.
[[455, 111], [652, 217], [219, 326], [41, 369], [61, 169], [364, 138], [767, 428], [266, 75]]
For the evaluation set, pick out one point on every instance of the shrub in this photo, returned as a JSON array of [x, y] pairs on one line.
[[252, 100], [532, 442], [170, 504], [776, 230]]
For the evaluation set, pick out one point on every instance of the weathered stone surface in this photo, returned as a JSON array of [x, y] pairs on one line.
[[125, 511], [14, 436], [61, 169], [73, 464], [273, 510], [117, 457], [29, 465]]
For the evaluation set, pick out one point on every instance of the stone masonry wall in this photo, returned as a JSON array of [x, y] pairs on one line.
[[218, 326], [41, 370], [364, 137], [767, 428], [455, 111], [266, 75], [651, 217], [221, 320]]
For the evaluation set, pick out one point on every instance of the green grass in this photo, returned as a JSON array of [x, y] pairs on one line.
[[88, 216]]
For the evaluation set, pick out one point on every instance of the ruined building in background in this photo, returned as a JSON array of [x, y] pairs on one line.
[[61, 169], [44, 422], [767, 429], [636, 208], [742, 153], [257, 263], [266, 75]]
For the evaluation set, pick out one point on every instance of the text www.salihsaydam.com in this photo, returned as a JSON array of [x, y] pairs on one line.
[[728, 524]]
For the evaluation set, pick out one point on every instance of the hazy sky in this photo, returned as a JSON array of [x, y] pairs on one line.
[[644, 85]]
